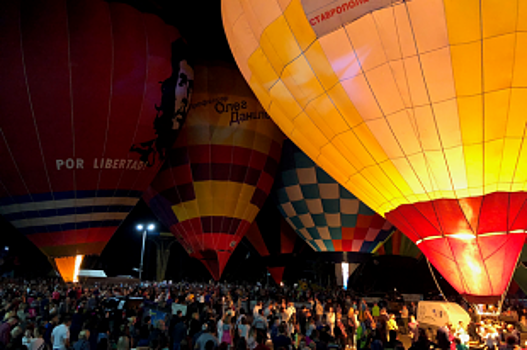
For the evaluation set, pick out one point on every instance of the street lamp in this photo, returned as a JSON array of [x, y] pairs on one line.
[[144, 228]]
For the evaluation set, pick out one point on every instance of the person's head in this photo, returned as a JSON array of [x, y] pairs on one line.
[[510, 327], [457, 341], [511, 340], [28, 333], [13, 321], [17, 332], [39, 332], [281, 329], [84, 334]]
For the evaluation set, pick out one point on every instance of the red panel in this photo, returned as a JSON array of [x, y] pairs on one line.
[[199, 153], [288, 238], [16, 113], [90, 35], [277, 273], [241, 156], [90, 235], [346, 245], [44, 29], [518, 211], [221, 154], [254, 237], [476, 267], [265, 182], [471, 208], [451, 217], [257, 160], [494, 213]]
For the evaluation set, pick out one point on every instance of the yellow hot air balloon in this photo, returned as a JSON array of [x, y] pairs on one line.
[[417, 107], [220, 171]]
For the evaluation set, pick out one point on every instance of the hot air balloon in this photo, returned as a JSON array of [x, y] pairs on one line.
[[398, 244], [92, 93], [326, 215], [416, 107], [220, 171], [274, 240]]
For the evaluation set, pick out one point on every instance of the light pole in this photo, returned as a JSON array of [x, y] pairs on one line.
[[144, 228]]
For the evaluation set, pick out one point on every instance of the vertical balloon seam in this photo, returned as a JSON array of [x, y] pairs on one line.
[[35, 125], [232, 149], [72, 117], [383, 114], [110, 97], [302, 109], [171, 168], [147, 58], [415, 130], [123, 172]]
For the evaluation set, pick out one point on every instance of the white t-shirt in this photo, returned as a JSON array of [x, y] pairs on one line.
[[37, 344], [60, 334]]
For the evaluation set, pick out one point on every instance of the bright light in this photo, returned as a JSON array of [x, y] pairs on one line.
[[345, 274], [463, 236], [139, 227], [151, 227], [281, 284], [78, 261]]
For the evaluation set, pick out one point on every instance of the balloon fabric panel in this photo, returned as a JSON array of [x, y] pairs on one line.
[[80, 86]]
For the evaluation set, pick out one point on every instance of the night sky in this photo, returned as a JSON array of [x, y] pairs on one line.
[[200, 24]]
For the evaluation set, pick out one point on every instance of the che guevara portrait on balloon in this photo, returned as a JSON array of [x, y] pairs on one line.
[[93, 93]]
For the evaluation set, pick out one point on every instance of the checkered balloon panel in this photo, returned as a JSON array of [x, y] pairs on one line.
[[326, 215]]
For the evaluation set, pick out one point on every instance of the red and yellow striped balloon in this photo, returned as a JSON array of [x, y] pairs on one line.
[[220, 171], [416, 107]]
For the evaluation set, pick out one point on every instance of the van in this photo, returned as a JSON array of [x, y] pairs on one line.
[[436, 314]]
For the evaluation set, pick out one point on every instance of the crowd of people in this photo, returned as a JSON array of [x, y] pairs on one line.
[[47, 315]]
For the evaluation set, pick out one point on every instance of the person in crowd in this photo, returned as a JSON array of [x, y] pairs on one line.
[[27, 338], [82, 343], [404, 319], [282, 340], [206, 337], [38, 343], [5, 331], [179, 333], [60, 337]]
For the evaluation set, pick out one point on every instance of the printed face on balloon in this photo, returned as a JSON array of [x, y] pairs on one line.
[[170, 113]]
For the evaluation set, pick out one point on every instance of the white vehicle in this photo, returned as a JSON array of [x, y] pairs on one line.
[[435, 314]]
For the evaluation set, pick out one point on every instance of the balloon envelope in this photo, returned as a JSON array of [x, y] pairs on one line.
[[221, 169], [416, 107], [326, 215], [81, 106], [398, 244], [275, 241]]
